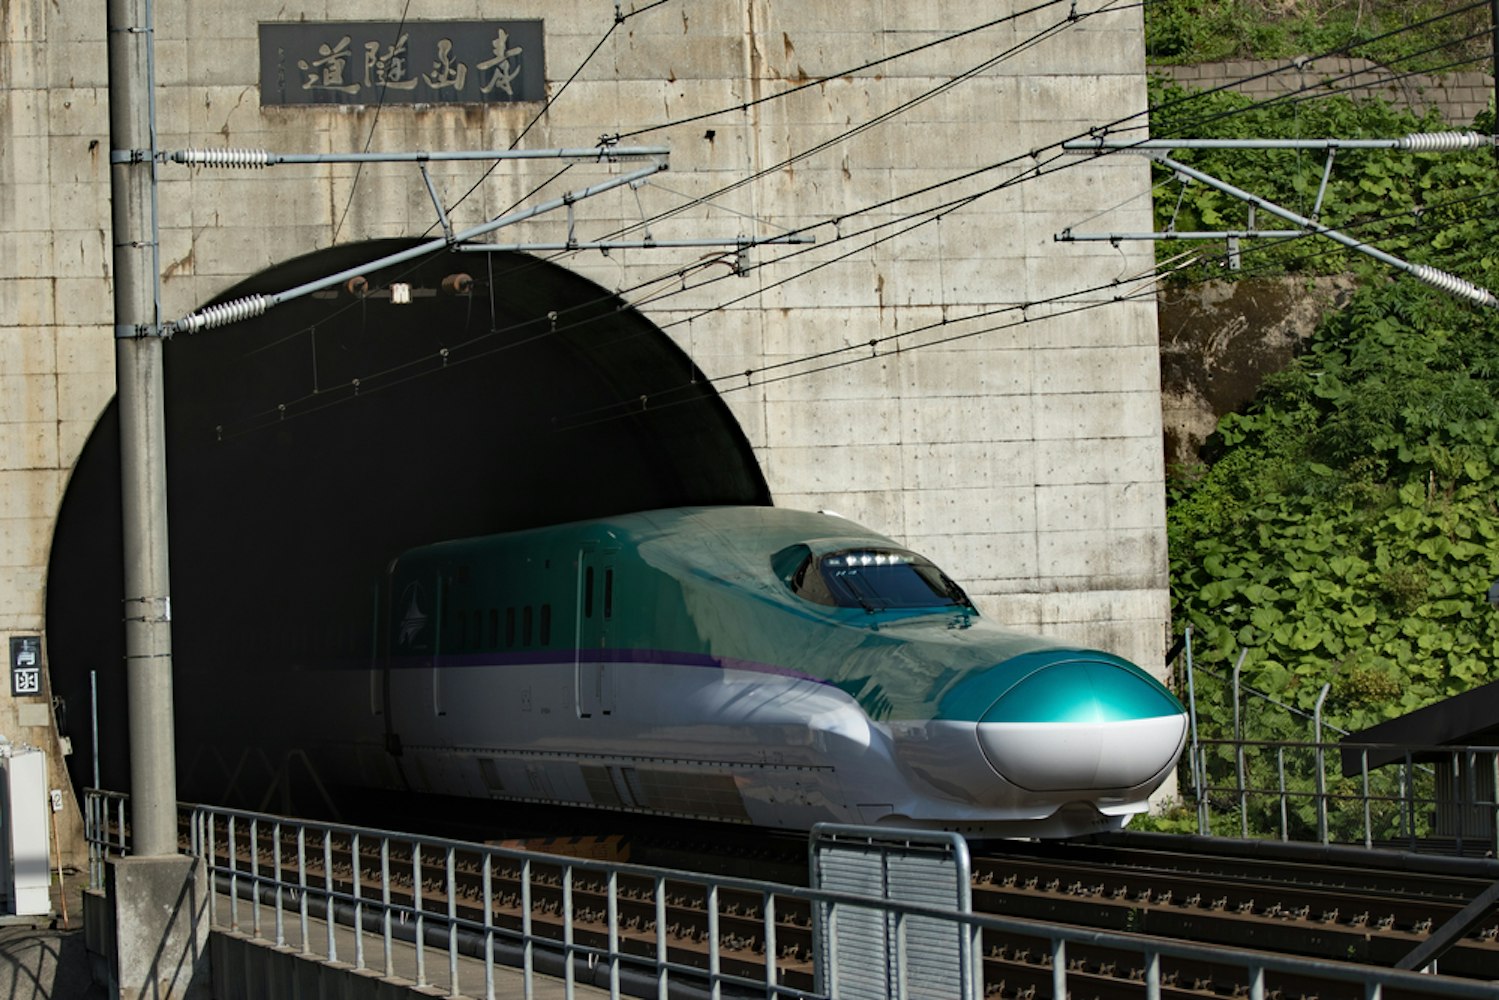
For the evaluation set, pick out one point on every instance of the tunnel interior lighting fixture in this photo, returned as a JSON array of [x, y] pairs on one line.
[[400, 293]]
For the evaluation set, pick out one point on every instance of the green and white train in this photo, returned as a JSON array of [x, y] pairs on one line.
[[744, 664]]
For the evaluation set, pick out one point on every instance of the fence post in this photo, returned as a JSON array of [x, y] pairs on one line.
[[1494, 797], [1280, 770], [1199, 766], [1456, 812], [1321, 768], [1368, 818], [1239, 749], [1408, 800]]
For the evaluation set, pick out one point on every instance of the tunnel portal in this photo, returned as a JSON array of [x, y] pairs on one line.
[[307, 447]]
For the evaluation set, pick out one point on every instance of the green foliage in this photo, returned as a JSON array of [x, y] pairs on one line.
[[1347, 530], [1173, 817], [1192, 31], [1347, 534], [1409, 205]]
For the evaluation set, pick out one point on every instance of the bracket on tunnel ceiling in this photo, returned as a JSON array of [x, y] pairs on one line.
[[256, 305]]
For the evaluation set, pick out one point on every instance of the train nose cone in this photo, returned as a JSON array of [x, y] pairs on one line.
[[1082, 722]]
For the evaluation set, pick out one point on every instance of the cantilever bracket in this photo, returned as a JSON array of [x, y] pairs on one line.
[[442, 216], [1441, 280]]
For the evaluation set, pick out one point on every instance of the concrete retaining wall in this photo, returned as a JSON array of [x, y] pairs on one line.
[[1018, 447], [1458, 97]]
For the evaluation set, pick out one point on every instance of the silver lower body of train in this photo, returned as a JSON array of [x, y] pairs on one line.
[[737, 746]]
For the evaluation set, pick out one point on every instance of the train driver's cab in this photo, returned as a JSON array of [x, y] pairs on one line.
[[874, 579]]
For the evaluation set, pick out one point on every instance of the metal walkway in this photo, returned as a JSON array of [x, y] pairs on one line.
[[448, 917]]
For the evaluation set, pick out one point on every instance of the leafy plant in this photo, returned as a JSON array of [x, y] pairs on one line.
[[1344, 527], [1416, 34], [1411, 205]]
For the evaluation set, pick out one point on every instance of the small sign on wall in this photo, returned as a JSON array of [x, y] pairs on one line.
[[407, 62], [25, 665]]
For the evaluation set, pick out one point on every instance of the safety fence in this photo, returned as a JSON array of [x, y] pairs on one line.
[[1308, 781], [1414, 798], [452, 916]]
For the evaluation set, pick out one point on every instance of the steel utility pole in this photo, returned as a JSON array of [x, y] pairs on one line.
[[158, 911], [147, 605]]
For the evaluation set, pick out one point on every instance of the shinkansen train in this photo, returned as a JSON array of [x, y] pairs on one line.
[[753, 665]]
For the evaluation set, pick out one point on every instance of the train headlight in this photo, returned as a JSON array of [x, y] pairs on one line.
[[1082, 724]]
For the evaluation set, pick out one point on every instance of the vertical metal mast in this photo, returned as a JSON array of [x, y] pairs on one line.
[[147, 603]]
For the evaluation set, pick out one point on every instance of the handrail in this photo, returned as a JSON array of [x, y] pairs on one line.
[[1428, 794], [441, 924]]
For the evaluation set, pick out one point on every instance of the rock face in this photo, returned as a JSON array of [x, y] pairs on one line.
[[1218, 342]]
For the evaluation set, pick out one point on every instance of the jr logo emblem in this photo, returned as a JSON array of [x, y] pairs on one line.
[[413, 618]]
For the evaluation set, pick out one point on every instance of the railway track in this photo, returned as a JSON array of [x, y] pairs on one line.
[[1334, 906], [1365, 913], [1332, 910]]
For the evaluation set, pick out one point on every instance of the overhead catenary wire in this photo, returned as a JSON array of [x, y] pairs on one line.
[[851, 71], [754, 377], [1050, 30], [1035, 174], [620, 18], [1344, 49], [255, 305], [1306, 93], [841, 357], [859, 353], [908, 194], [1103, 129], [370, 136], [853, 347], [1017, 48], [1073, 17], [918, 48]]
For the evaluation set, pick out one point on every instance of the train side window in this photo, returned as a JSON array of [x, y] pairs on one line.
[[510, 627], [494, 628], [478, 636], [525, 625], [608, 593], [588, 592], [797, 566], [546, 624]]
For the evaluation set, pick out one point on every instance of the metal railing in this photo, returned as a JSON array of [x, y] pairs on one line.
[[1327, 788], [304, 885], [1400, 796], [106, 828]]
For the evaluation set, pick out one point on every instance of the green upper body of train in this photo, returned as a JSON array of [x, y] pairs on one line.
[[750, 664]]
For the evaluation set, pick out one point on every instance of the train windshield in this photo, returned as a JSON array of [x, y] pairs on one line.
[[875, 580]]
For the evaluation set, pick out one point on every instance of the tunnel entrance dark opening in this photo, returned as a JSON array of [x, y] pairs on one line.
[[308, 447]]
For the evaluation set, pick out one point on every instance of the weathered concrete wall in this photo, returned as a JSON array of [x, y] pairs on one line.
[[1458, 97], [1023, 456], [56, 352]]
